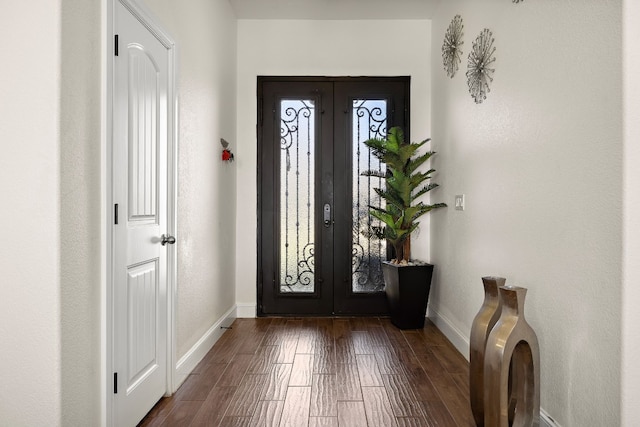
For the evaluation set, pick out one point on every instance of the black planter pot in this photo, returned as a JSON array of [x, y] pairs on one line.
[[407, 289]]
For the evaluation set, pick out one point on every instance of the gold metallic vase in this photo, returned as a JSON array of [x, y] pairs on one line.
[[480, 329], [512, 344]]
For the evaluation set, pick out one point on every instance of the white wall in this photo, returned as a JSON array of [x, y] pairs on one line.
[[80, 210], [631, 231], [540, 164], [205, 33], [318, 48], [29, 184], [50, 256]]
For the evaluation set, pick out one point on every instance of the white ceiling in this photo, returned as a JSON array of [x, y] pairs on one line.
[[334, 9]]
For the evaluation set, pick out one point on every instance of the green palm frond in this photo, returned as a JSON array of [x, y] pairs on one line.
[[391, 197], [415, 163], [425, 189], [402, 179]]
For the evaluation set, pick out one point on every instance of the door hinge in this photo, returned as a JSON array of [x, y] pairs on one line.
[[115, 383], [115, 214], [115, 45]]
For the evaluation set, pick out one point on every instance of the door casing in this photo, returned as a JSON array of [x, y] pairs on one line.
[[106, 297]]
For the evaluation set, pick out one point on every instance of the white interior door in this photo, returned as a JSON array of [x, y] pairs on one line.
[[140, 132]]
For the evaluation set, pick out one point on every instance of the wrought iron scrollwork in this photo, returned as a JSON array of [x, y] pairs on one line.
[[290, 122], [303, 276], [367, 267], [297, 263], [367, 253], [296, 140], [374, 117]]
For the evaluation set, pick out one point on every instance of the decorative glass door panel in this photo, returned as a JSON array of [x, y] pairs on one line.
[[369, 121], [297, 206], [315, 254]]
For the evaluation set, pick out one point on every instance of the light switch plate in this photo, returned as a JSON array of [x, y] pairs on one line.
[[459, 203]]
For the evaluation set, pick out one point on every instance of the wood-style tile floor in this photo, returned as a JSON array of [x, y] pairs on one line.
[[347, 372]]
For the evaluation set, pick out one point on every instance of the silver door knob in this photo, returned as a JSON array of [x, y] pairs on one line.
[[167, 239]]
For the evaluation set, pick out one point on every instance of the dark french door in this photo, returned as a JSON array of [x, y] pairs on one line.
[[314, 255]]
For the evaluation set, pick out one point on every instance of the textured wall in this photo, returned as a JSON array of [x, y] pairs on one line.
[[540, 164], [318, 48], [80, 227], [631, 291], [205, 32], [29, 184]]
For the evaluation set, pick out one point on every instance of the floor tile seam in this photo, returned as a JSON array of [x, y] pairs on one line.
[[444, 402], [255, 406], [237, 387], [202, 407], [212, 386], [425, 372]]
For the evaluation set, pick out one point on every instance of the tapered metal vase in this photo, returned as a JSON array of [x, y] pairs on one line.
[[513, 342], [484, 321]]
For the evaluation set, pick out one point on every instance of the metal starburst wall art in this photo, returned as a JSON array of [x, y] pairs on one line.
[[479, 66], [451, 51]]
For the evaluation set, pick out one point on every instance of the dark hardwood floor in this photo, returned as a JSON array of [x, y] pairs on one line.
[[323, 372]]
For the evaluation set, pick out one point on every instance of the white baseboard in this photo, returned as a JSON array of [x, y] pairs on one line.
[[453, 334], [190, 360], [244, 310], [546, 420], [461, 342]]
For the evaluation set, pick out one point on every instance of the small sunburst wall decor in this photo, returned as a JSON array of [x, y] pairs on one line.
[[451, 51], [479, 71]]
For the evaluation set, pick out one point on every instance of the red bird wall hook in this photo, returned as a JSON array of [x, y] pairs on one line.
[[227, 155]]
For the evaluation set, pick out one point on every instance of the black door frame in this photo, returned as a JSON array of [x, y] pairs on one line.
[[337, 169]]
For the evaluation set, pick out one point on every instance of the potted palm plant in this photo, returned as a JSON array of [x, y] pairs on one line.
[[407, 282]]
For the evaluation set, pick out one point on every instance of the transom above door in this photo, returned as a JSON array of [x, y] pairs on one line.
[[315, 256]]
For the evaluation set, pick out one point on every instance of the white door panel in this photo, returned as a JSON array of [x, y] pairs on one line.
[[140, 190]]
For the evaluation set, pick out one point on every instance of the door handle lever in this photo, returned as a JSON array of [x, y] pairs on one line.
[[167, 239]]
